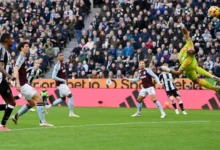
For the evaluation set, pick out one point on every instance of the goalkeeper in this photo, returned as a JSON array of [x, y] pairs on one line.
[[189, 64]]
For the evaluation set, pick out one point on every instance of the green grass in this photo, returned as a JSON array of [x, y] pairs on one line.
[[114, 129]]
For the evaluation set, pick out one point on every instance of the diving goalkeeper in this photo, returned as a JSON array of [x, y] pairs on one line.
[[189, 63]]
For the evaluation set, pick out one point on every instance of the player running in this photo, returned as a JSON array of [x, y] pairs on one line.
[[59, 75], [145, 75], [171, 90], [5, 90], [189, 65], [29, 93], [32, 73]]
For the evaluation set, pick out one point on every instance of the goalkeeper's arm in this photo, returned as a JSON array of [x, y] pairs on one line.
[[166, 69], [179, 72], [183, 29]]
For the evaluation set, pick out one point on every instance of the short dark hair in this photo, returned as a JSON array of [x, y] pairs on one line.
[[196, 49], [21, 45], [59, 53], [4, 37]]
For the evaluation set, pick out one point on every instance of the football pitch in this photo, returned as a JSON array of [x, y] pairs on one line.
[[114, 129]]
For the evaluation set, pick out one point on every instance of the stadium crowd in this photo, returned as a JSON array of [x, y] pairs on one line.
[[48, 25], [120, 35], [127, 31]]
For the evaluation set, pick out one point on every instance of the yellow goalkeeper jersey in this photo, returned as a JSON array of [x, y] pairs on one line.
[[188, 62]]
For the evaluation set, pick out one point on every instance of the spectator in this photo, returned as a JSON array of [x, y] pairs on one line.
[[83, 75], [30, 62], [85, 65], [129, 50], [110, 75], [33, 49], [78, 28], [119, 75], [174, 57], [81, 56], [120, 52], [112, 51], [217, 70], [104, 71], [213, 54], [79, 69], [91, 66], [70, 70], [139, 55], [93, 75], [208, 64], [100, 75]]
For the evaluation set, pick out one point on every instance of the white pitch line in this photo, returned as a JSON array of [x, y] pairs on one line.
[[115, 124]]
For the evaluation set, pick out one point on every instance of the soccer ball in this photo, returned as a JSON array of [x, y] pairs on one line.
[[167, 105], [214, 11]]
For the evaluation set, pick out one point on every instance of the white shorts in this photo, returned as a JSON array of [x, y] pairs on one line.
[[27, 91], [144, 92], [64, 90]]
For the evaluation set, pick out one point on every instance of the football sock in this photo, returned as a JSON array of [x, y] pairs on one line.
[[40, 111], [157, 103], [2, 107], [181, 105], [206, 84], [22, 110], [174, 105], [56, 102], [201, 71], [139, 106], [70, 104], [8, 111]]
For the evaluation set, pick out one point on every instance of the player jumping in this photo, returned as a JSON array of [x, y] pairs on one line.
[[145, 75], [59, 74], [189, 65], [5, 90], [29, 93], [171, 90]]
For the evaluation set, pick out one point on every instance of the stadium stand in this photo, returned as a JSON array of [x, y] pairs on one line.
[[121, 34]]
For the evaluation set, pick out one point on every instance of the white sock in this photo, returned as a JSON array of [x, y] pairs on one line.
[[157, 103]]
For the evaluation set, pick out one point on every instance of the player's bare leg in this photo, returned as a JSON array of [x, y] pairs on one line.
[[157, 103], [181, 105], [172, 99], [139, 106], [40, 110], [23, 110]]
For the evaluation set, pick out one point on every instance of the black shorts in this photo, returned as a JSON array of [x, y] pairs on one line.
[[5, 90], [174, 93]]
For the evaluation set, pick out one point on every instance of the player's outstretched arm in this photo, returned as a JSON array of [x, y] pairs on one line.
[[166, 69], [133, 79], [183, 29], [179, 72]]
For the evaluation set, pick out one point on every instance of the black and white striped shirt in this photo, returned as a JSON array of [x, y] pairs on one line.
[[5, 57], [33, 74], [167, 79]]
